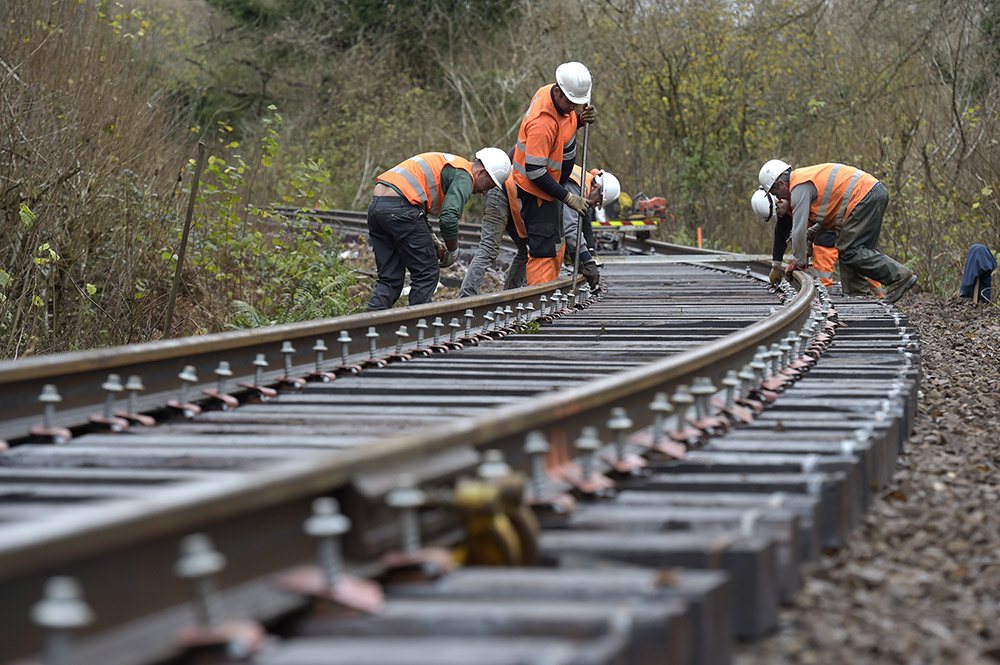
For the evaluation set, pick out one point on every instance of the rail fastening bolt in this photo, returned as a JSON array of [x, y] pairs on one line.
[[661, 408], [200, 563], [588, 444], [682, 399], [327, 524], [187, 377], [320, 348], [468, 322], [372, 336], [259, 363], [112, 387], [421, 327], [60, 611], [702, 390], [223, 373], [438, 324], [536, 447], [619, 423], [134, 386], [407, 497], [401, 334], [345, 341], [493, 466]]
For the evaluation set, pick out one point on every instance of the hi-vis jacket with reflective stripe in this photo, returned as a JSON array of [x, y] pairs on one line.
[[546, 138], [419, 178], [575, 177], [839, 189]]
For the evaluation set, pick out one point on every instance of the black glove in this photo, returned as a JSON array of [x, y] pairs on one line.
[[591, 274], [589, 114], [776, 274], [578, 204]]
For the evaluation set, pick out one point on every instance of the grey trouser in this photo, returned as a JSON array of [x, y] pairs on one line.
[[402, 241], [496, 220], [857, 246]]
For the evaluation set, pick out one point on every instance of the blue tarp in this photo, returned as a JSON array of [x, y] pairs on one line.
[[979, 263]]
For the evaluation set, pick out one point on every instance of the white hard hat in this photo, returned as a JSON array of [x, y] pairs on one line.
[[610, 187], [770, 171], [762, 204], [573, 78], [496, 162]]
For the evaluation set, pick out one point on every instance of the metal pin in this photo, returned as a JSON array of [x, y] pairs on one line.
[[259, 363], [619, 423], [536, 447], [520, 313], [544, 305], [507, 313], [454, 325], [60, 611], [49, 398], [588, 444], [187, 377], [407, 498], [345, 340], [494, 465], [747, 376], [328, 524], [530, 311], [372, 340], [468, 322], [702, 390], [112, 387], [421, 327], [199, 563], [222, 372], [401, 334], [134, 386], [487, 322], [438, 324], [287, 350], [320, 348], [731, 382], [661, 408], [682, 399]]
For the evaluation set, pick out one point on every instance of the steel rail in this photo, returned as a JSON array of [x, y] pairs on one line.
[[561, 414], [78, 375]]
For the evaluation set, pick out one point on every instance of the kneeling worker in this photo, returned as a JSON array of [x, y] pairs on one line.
[[431, 183]]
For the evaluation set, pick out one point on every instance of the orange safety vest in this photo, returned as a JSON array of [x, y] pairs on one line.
[[546, 138], [575, 177], [839, 187], [419, 178]]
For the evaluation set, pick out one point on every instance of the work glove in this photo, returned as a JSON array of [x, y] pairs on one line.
[[578, 204], [591, 274], [792, 267], [589, 114], [776, 273], [448, 258]]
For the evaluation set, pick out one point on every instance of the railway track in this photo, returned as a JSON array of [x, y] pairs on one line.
[[652, 466]]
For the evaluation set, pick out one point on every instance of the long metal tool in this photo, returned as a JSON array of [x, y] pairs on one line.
[[583, 193]]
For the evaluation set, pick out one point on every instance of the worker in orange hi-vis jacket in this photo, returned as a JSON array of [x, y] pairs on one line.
[[822, 243], [843, 199], [544, 156], [431, 183]]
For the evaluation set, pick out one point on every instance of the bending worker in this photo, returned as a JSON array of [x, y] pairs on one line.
[[431, 183], [602, 189], [823, 243], [543, 159], [852, 204], [498, 205]]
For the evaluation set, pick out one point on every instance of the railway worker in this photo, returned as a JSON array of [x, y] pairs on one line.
[[823, 243], [849, 202], [602, 189], [431, 183], [497, 218], [543, 160]]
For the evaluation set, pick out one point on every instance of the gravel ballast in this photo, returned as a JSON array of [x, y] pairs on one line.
[[919, 580]]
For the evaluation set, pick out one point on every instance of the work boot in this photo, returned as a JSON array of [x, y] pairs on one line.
[[895, 291]]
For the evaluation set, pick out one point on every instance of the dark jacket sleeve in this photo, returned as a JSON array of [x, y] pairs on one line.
[[782, 231]]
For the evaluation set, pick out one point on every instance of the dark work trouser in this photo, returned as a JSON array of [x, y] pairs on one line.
[[401, 241], [857, 245]]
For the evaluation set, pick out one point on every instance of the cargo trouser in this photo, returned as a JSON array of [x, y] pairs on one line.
[[401, 241], [543, 223], [857, 245], [496, 220]]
